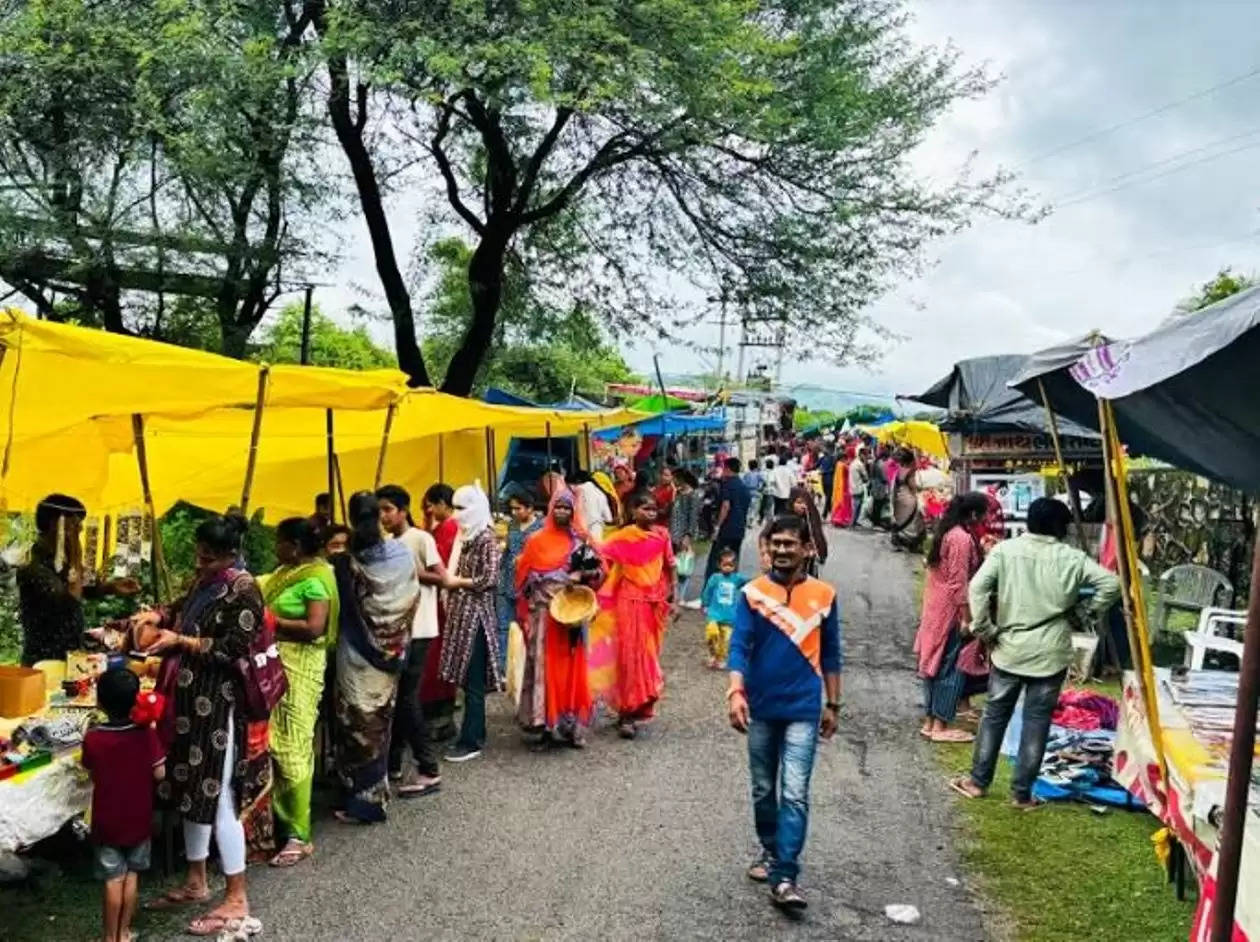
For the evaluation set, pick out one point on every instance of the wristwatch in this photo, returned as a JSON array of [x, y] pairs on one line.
[[833, 705]]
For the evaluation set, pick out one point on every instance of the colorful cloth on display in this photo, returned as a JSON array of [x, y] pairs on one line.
[[1080, 709], [1190, 798]]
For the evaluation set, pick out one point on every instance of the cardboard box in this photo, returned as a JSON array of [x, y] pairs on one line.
[[22, 691]]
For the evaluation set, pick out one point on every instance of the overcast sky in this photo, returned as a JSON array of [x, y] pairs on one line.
[[1158, 205]]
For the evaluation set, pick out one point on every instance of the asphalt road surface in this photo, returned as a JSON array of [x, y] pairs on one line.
[[649, 839]]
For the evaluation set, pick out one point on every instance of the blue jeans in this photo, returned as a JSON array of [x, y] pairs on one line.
[[780, 762], [1041, 695]]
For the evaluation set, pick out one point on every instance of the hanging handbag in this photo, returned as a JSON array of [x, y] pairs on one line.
[[262, 676]]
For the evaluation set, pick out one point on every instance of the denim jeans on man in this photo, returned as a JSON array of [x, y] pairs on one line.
[[781, 760], [1041, 695]]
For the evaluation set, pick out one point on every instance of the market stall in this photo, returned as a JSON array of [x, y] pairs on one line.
[[1185, 393], [1002, 443]]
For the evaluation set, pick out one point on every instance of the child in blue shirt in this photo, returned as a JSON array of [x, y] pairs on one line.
[[719, 597]]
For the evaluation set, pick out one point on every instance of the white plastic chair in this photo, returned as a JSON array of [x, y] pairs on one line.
[[1213, 634]]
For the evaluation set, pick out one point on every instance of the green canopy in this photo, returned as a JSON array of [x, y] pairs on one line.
[[658, 403]]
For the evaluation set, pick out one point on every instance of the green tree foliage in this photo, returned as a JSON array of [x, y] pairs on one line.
[[147, 151], [538, 352], [331, 344], [757, 149], [1219, 288]]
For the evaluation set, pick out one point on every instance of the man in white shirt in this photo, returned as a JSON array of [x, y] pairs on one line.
[[409, 727], [782, 480]]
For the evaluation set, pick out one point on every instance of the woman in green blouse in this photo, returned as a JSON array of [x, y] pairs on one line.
[[302, 595]]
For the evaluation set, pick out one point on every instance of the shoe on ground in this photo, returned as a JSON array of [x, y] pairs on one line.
[[787, 897], [396, 775], [462, 753], [693, 605]]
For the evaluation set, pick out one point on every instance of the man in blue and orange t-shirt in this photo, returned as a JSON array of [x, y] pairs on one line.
[[785, 653]]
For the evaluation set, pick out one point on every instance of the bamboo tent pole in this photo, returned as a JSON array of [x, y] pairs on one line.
[[332, 467], [252, 461], [441, 458], [380, 459], [142, 460], [1073, 497], [1121, 519]]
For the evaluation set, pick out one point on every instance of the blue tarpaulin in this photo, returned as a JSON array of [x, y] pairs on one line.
[[671, 423], [501, 397]]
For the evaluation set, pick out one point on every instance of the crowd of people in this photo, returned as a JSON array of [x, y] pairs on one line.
[[378, 622]]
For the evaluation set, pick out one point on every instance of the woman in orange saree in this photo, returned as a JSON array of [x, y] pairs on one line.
[[638, 593], [555, 693], [841, 495]]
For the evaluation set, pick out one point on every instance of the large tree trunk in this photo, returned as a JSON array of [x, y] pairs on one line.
[[485, 287], [350, 135]]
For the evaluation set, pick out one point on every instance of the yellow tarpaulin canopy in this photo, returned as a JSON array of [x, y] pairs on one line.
[[67, 395], [913, 433]]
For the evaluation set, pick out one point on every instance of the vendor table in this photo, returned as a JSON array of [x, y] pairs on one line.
[[36, 804], [1190, 800]]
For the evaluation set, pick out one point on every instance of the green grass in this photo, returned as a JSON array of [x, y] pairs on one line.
[[1064, 873]]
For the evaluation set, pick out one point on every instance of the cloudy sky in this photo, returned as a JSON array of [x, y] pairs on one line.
[[1138, 119]]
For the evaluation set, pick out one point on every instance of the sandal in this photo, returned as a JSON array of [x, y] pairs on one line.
[[179, 896], [952, 735], [345, 817], [234, 927], [1032, 804], [293, 853], [964, 786]]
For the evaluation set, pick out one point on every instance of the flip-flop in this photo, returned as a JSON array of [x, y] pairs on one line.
[[291, 855], [957, 785], [953, 736], [233, 927], [175, 898]]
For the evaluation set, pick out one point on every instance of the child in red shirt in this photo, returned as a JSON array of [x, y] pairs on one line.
[[124, 760]]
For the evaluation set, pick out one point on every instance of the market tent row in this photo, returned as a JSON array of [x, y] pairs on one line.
[[61, 437]]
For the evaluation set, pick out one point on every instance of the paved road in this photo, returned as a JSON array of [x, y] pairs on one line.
[[648, 840]]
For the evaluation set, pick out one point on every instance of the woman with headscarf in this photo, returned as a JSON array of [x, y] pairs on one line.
[[555, 693], [379, 593], [639, 592], [302, 596], [210, 779], [470, 652], [908, 526], [952, 560]]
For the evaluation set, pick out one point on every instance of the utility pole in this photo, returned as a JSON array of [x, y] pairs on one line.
[[743, 337], [721, 339], [305, 357], [780, 342]]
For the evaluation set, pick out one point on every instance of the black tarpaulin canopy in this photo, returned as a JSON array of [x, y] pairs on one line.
[[979, 400], [1187, 393]]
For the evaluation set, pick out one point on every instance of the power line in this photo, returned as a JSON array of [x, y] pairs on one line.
[[1138, 171], [1129, 122], [1159, 176]]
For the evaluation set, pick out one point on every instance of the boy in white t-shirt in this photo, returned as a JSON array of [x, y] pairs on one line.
[[409, 727]]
